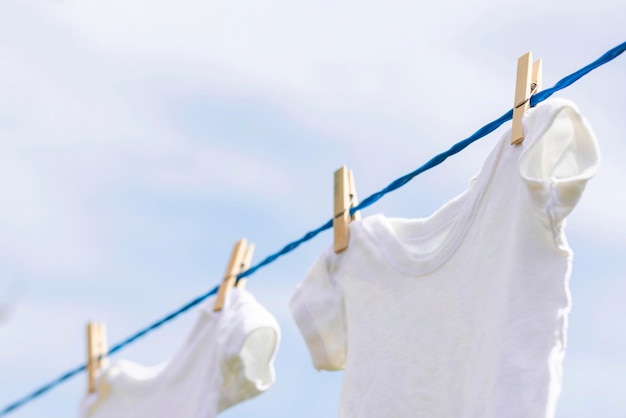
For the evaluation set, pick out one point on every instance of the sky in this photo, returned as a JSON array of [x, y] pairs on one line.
[[141, 139]]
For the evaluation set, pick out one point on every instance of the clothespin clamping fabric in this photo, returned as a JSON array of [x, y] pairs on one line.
[[96, 352], [240, 260], [345, 199], [528, 82]]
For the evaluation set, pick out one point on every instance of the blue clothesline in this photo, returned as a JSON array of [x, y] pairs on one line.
[[368, 201]]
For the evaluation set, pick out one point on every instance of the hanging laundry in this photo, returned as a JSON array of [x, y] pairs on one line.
[[227, 358], [463, 313], [4, 312], [10, 296]]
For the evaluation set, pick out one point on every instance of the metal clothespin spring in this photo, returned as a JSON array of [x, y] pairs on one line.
[[533, 90]]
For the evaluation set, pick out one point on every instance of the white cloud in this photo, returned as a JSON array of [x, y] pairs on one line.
[[72, 134]]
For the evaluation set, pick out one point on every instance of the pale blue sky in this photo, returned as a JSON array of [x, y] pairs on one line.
[[141, 139]]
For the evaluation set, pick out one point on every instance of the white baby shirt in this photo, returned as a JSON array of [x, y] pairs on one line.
[[462, 314], [227, 358]]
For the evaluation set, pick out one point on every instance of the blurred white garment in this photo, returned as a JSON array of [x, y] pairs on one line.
[[4, 313], [462, 314], [227, 358], [10, 296]]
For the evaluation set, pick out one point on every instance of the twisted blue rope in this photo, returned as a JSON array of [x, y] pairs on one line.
[[368, 201], [15, 405]]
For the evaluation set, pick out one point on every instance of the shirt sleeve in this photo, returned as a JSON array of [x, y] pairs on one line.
[[317, 308], [249, 351], [558, 164]]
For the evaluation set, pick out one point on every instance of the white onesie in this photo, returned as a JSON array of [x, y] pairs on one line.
[[227, 358], [462, 314]]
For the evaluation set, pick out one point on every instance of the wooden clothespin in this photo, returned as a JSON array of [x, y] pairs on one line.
[[245, 265], [345, 199], [96, 352], [529, 79], [239, 261]]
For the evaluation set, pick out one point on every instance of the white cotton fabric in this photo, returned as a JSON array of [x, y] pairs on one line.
[[227, 358], [462, 314]]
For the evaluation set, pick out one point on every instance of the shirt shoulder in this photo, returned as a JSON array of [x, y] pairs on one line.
[[560, 155]]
